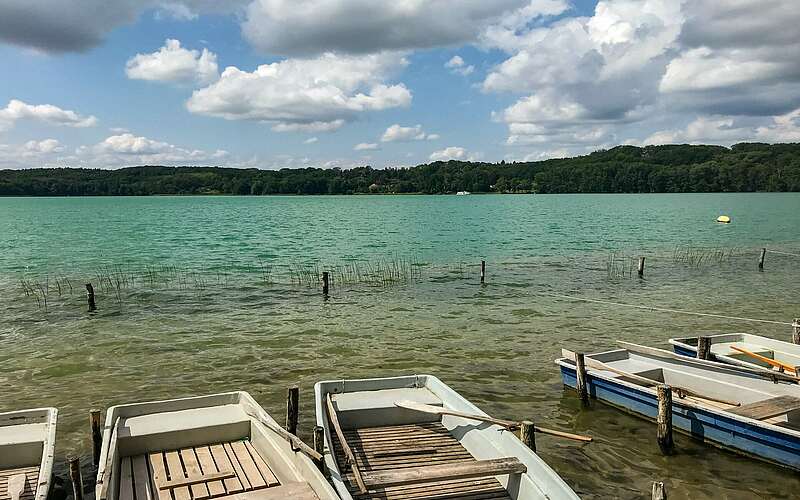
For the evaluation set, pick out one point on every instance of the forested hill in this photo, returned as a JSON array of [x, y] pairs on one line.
[[624, 169]]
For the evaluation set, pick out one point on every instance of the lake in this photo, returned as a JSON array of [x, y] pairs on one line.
[[206, 294]]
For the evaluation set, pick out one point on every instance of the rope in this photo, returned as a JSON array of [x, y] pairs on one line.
[[662, 309], [784, 253]]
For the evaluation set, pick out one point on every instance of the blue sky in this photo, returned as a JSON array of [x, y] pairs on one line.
[[292, 83]]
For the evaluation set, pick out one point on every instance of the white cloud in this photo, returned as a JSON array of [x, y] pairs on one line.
[[450, 153], [364, 146], [397, 133], [47, 113], [292, 27], [173, 63], [457, 65], [44, 146], [310, 95], [311, 140]]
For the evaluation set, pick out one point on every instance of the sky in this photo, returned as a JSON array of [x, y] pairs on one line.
[[343, 83]]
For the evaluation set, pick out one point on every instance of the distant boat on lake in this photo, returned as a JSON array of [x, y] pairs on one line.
[[463, 193]]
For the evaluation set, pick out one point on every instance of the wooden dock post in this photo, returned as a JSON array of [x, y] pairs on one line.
[[640, 268], [659, 491], [796, 331], [761, 259], [582, 385], [319, 445], [90, 297], [292, 409], [325, 283], [483, 272], [527, 434], [97, 435], [703, 347], [75, 476], [664, 421]]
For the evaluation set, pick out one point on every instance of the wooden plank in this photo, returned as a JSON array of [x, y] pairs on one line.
[[207, 466], [768, 408], [159, 474], [414, 475], [194, 481], [193, 473], [248, 465], [175, 470], [237, 467], [265, 470], [294, 491], [29, 488], [126, 479], [334, 419], [233, 484], [141, 479]]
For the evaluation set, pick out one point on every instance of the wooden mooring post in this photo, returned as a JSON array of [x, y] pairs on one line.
[[97, 435], [319, 446], [292, 409], [483, 272], [640, 267], [580, 371], [664, 420], [659, 491], [90, 297], [703, 347], [761, 259], [75, 476], [527, 434], [796, 331], [325, 283]]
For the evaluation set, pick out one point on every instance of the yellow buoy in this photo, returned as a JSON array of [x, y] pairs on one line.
[[724, 219]]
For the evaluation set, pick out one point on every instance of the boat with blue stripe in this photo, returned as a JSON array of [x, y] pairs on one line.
[[747, 411]]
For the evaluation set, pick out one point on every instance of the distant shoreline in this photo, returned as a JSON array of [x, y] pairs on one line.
[[742, 168]]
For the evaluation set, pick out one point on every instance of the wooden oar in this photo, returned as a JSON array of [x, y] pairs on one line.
[[296, 442], [508, 424], [680, 391], [769, 361], [16, 485], [351, 458]]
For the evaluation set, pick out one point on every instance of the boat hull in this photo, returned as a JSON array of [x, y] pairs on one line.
[[715, 427]]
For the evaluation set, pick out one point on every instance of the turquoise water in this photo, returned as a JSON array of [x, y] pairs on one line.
[[216, 320]]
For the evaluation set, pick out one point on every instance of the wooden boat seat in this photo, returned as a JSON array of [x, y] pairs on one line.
[[295, 491], [768, 408], [432, 473], [31, 480], [371, 408], [196, 473]]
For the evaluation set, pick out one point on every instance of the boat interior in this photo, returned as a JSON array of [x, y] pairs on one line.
[[199, 448], [23, 435], [724, 387]]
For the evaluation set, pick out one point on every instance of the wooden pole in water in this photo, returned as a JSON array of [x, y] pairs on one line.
[[659, 491], [325, 283], [90, 297], [761, 259], [319, 445], [97, 435], [703, 347], [796, 331], [640, 268], [664, 420], [483, 272], [582, 385], [292, 409], [527, 434], [75, 476]]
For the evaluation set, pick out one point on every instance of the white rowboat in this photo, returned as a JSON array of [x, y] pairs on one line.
[[27, 444], [390, 452], [723, 349], [224, 445]]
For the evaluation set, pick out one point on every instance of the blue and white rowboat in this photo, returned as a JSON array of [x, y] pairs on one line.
[[764, 423], [722, 349]]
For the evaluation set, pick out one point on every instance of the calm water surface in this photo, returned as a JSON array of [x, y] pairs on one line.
[[224, 327]]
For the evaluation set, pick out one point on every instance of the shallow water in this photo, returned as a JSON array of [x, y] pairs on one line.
[[495, 343]]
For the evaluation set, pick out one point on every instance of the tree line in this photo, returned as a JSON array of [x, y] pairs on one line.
[[744, 167]]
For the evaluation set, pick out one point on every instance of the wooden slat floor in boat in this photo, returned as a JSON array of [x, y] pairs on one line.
[[141, 475], [415, 445], [31, 481]]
